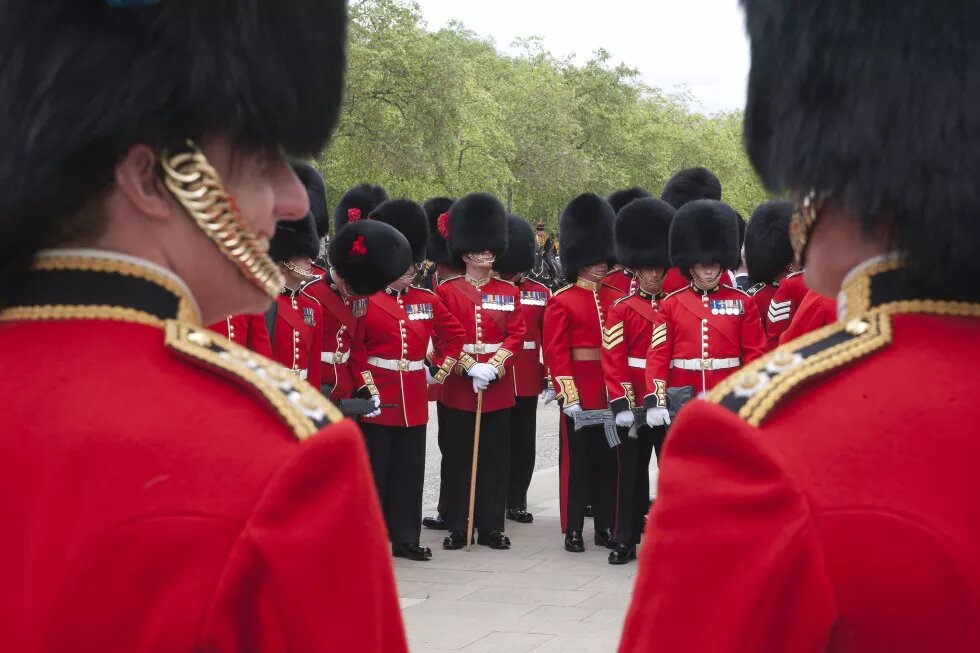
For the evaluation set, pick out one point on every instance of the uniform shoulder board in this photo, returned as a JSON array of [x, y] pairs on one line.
[[794, 274], [562, 289], [623, 298], [537, 283], [736, 289], [304, 410], [676, 292], [424, 289], [451, 278], [756, 288], [509, 283], [753, 392]]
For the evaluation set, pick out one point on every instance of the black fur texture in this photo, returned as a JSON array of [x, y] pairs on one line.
[[519, 256], [438, 248], [295, 239], [477, 223], [621, 198], [874, 104], [387, 255], [691, 184], [83, 82], [642, 233], [767, 248], [585, 234], [364, 198], [408, 218], [704, 231], [317, 192]]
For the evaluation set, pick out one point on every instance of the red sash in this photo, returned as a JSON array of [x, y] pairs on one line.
[[474, 295]]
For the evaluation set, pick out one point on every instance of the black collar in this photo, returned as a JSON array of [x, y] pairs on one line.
[[396, 293], [698, 291], [645, 295]]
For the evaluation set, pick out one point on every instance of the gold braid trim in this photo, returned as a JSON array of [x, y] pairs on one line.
[[369, 383], [59, 312], [568, 392], [497, 361], [195, 183], [445, 369], [464, 363]]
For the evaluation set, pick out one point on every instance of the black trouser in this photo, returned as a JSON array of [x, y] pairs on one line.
[[633, 499], [523, 428], [441, 439], [491, 477], [591, 476], [398, 463]]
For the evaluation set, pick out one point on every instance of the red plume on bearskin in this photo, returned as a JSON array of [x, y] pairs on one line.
[[443, 225], [353, 215], [357, 248]]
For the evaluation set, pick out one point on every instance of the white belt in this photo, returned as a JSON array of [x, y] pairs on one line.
[[482, 348], [301, 373], [706, 364], [401, 365], [639, 363], [530, 344], [331, 358]]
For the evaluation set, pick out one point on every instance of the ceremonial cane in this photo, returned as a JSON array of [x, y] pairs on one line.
[[476, 453]]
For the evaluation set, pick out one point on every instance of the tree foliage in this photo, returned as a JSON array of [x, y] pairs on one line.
[[444, 113]]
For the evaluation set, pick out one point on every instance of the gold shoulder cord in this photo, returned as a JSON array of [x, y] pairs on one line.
[[195, 183]]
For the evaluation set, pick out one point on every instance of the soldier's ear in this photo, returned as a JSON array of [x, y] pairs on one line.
[[140, 188]]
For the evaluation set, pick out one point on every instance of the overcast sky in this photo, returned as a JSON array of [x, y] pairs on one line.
[[699, 44]]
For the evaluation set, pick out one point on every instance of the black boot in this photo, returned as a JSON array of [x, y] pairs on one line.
[[412, 551], [494, 540], [622, 554], [437, 523], [520, 516], [455, 540], [604, 537], [589, 512], [574, 542]]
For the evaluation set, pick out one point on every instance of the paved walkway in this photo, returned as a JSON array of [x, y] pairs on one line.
[[534, 597]]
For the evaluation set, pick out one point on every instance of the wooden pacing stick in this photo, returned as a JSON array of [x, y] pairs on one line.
[[476, 453]]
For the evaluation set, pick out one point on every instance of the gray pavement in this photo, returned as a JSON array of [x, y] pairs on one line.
[[534, 597]]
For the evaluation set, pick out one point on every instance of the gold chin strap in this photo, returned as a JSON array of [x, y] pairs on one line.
[[195, 183], [801, 226]]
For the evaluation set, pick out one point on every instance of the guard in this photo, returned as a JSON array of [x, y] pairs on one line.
[[396, 329], [621, 281], [247, 330], [530, 378], [685, 186], [768, 255], [573, 353], [641, 233], [490, 313], [183, 493]]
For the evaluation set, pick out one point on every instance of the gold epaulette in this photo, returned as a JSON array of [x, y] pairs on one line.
[[562, 289], [753, 392], [300, 405]]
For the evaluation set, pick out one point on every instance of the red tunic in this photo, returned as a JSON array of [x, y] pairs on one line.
[[440, 274], [721, 328], [762, 294], [530, 375], [573, 344], [617, 284], [296, 342], [494, 331], [815, 311], [674, 280], [246, 330], [785, 302], [395, 334], [625, 342], [825, 500], [166, 502], [339, 327]]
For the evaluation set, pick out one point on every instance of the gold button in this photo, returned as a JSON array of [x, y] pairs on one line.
[[857, 327]]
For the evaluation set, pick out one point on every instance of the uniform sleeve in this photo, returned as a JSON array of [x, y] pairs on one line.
[[658, 359], [754, 342], [448, 338], [731, 562], [361, 378], [779, 314], [258, 335], [814, 312], [558, 352], [288, 583], [615, 367], [505, 359], [315, 371]]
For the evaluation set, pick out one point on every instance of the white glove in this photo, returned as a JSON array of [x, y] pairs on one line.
[[547, 396], [376, 400], [483, 371], [657, 417], [571, 410], [479, 384], [429, 379], [624, 418]]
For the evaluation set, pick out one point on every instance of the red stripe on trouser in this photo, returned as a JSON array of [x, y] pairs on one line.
[[563, 465], [619, 467]]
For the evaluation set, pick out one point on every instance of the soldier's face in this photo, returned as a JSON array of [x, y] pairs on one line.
[[594, 272], [265, 190], [404, 281], [650, 279], [706, 275]]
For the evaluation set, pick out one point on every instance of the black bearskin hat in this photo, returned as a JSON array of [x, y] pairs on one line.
[[409, 219], [357, 203], [767, 248], [477, 222], [317, 192], [621, 198], [874, 104], [438, 248], [585, 231], [519, 256], [642, 229], [691, 184], [704, 231], [368, 255], [294, 239], [85, 81]]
